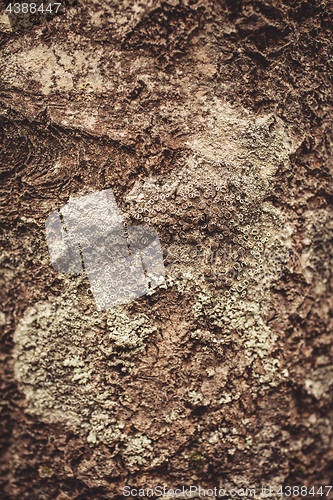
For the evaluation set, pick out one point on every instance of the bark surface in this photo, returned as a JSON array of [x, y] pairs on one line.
[[212, 123]]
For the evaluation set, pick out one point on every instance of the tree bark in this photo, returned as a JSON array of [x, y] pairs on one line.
[[212, 123]]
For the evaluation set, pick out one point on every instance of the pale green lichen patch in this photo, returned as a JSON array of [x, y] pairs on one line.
[[81, 375], [235, 326], [138, 451], [74, 362], [65, 365], [211, 207], [128, 333], [81, 372]]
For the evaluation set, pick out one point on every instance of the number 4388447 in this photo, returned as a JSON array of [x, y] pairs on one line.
[[303, 491], [32, 8]]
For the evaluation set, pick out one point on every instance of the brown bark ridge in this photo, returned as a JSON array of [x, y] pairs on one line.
[[212, 123]]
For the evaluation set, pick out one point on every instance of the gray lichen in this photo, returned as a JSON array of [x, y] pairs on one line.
[[56, 351]]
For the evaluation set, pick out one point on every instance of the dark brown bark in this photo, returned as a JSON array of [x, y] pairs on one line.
[[211, 380]]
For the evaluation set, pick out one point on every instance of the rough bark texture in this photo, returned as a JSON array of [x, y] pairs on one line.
[[212, 122]]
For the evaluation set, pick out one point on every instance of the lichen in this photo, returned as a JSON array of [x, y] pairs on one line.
[[221, 245], [138, 450], [56, 348], [126, 333]]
